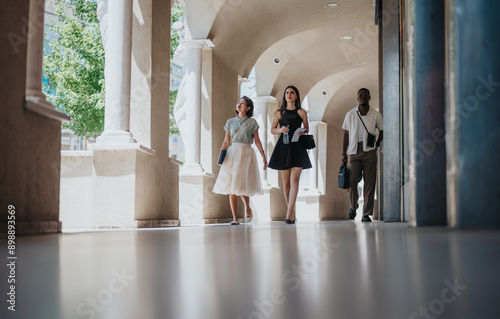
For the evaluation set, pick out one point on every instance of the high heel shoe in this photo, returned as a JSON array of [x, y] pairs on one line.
[[248, 218], [288, 221]]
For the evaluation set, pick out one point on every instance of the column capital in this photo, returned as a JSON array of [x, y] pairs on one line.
[[197, 44], [242, 79]]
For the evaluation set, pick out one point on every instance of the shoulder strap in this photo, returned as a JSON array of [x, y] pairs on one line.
[[362, 122], [244, 124]]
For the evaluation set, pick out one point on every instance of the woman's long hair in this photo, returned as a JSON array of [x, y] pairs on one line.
[[284, 103]]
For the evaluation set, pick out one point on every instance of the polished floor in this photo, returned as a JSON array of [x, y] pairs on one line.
[[261, 270]]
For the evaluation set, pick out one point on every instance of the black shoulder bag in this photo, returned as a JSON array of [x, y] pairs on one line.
[[370, 142]]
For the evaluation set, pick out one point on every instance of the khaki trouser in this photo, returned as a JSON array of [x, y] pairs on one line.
[[362, 165]]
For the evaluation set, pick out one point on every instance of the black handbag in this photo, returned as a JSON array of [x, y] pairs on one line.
[[344, 176], [222, 156], [308, 141]]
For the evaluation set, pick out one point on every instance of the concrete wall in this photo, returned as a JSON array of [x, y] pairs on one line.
[[224, 84], [334, 205], [29, 142], [76, 205], [157, 196]]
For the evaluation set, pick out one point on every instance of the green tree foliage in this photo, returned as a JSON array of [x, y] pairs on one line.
[[177, 13], [74, 66], [174, 130]]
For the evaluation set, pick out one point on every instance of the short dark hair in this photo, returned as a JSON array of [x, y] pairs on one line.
[[249, 104], [364, 89]]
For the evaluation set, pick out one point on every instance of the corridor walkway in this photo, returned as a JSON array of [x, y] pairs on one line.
[[309, 270]]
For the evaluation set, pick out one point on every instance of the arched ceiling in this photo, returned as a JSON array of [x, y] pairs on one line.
[[342, 88], [307, 37]]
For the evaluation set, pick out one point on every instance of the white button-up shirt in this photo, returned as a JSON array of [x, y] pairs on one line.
[[373, 121]]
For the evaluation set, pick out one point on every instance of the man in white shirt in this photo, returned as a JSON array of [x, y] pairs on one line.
[[359, 123]]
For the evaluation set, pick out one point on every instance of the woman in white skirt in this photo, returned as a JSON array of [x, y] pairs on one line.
[[239, 173]]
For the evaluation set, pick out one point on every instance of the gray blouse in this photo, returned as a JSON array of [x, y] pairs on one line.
[[246, 134]]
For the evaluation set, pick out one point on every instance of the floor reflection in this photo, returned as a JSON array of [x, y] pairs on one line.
[[341, 269]]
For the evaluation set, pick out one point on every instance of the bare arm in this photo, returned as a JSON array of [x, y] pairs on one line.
[[258, 143], [380, 138], [227, 141], [345, 144], [274, 129]]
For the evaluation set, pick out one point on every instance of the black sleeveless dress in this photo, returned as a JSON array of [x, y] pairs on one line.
[[293, 154]]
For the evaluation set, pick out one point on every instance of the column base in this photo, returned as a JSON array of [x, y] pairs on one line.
[[194, 196], [157, 223], [38, 227], [307, 205], [269, 206], [124, 187], [115, 138], [219, 220]]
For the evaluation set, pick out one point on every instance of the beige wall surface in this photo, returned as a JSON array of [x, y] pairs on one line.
[[29, 143]]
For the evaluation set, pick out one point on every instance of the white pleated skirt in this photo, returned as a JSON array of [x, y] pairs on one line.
[[239, 173]]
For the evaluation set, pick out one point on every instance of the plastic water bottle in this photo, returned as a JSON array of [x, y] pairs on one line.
[[286, 138]]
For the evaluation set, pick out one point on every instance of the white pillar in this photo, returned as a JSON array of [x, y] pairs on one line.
[[192, 104], [241, 80], [313, 175], [117, 73], [261, 107]]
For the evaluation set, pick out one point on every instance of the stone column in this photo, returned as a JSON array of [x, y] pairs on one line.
[[117, 72], [390, 177], [240, 82], [193, 104], [429, 147], [313, 174], [262, 105], [474, 115], [308, 206], [270, 205], [30, 148]]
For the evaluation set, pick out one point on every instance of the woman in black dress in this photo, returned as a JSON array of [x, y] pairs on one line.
[[290, 158]]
